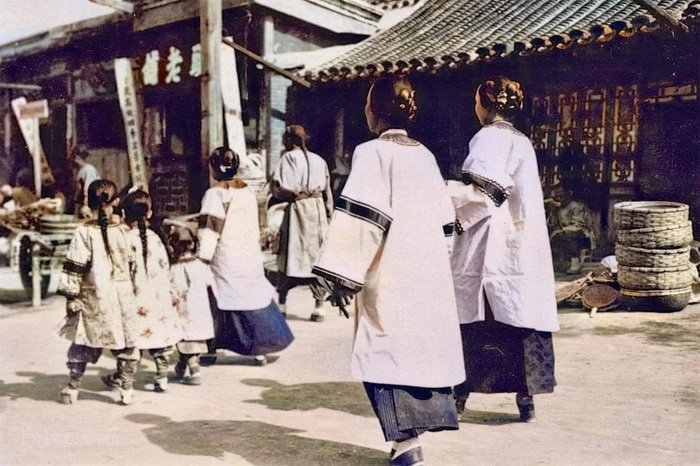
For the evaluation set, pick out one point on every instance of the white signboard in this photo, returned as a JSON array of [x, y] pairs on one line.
[[132, 125], [231, 95], [30, 131], [36, 109]]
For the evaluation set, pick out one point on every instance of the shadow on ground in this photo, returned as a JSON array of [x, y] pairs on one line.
[[490, 418], [46, 387], [660, 333], [256, 442], [348, 397]]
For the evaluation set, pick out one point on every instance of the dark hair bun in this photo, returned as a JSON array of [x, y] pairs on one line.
[[501, 95], [101, 192], [393, 100], [224, 163]]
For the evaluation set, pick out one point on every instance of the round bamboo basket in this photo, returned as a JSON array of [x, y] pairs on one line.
[[648, 214], [640, 257], [671, 236], [52, 224], [656, 301], [654, 278]]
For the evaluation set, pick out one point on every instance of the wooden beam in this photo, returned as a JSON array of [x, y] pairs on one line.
[[212, 129], [254, 56], [171, 11], [120, 5], [29, 87], [661, 15]]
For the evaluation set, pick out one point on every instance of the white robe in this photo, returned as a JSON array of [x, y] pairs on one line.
[[234, 251], [190, 279], [504, 253], [305, 178], [387, 238]]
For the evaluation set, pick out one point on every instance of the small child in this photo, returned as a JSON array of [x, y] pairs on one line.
[[190, 278], [96, 280], [156, 320]]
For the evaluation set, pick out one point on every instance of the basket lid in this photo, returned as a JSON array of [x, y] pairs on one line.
[[600, 296]]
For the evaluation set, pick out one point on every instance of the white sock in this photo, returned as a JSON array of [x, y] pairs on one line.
[[403, 447], [283, 308], [320, 310]]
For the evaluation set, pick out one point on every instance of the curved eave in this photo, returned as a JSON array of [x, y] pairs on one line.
[[595, 34]]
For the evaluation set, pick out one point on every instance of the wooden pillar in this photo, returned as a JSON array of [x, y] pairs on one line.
[[212, 130], [265, 109], [339, 132]]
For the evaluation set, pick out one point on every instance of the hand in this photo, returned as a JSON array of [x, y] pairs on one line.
[[74, 306], [341, 297]]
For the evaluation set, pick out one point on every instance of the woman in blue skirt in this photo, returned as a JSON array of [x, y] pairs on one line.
[[246, 319]]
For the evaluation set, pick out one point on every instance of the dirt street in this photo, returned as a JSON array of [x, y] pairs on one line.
[[628, 393]]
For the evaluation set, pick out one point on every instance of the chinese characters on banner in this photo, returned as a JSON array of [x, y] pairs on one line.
[[130, 113], [30, 131], [169, 69]]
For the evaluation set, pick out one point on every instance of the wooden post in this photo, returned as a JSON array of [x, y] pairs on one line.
[[339, 133], [265, 110], [212, 130], [36, 275]]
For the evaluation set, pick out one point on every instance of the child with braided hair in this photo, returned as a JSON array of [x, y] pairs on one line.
[[97, 283], [157, 324]]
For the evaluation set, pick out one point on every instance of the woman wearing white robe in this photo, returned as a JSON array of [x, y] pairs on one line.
[[302, 182], [501, 261], [387, 243], [247, 319]]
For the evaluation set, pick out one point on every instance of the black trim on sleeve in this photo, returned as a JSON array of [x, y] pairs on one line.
[[448, 229], [364, 212], [75, 268], [335, 278], [491, 188]]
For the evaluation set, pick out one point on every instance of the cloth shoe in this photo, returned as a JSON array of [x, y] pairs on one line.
[[68, 396], [526, 407], [110, 382], [127, 396], [412, 457], [194, 379]]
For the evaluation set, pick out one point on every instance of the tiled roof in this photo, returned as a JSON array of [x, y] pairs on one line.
[[452, 33], [392, 4]]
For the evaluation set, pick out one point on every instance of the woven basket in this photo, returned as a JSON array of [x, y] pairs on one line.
[[601, 297], [671, 236], [632, 215], [656, 301], [640, 257], [653, 278]]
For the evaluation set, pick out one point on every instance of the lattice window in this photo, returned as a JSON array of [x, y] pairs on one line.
[[593, 131], [539, 134], [625, 132]]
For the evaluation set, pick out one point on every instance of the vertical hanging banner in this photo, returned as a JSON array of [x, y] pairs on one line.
[[231, 96], [132, 125], [28, 120]]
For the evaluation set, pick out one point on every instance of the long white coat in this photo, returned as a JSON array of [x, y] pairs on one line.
[[303, 178], [190, 279], [387, 238], [231, 241], [503, 254]]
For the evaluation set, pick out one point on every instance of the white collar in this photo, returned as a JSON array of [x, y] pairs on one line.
[[402, 132]]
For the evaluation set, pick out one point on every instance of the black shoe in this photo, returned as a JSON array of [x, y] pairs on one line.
[[207, 360], [111, 382], [526, 407], [317, 318], [412, 457], [460, 404]]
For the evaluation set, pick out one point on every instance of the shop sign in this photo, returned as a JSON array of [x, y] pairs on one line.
[[172, 66], [131, 115], [29, 127]]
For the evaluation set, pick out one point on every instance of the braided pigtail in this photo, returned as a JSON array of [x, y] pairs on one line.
[[101, 194], [102, 221], [144, 242]]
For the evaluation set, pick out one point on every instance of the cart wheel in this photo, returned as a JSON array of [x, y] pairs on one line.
[[25, 269]]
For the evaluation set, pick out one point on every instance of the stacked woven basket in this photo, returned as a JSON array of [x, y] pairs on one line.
[[653, 252]]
